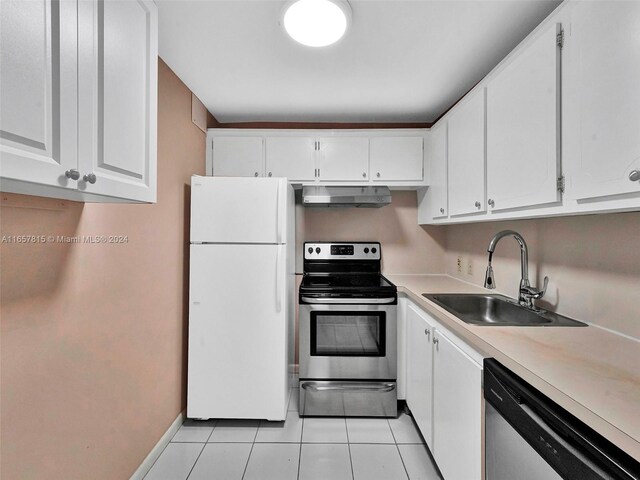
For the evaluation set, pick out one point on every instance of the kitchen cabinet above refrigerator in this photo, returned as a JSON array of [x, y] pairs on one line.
[[326, 157]]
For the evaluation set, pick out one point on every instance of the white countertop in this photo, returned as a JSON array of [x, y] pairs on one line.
[[589, 371]]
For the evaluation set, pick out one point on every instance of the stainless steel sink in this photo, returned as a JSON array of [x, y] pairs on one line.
[[498, 310]]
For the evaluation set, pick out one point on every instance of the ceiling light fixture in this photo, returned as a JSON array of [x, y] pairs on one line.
[[317, 23]]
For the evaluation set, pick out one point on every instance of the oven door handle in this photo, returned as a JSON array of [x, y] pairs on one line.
[[369, 386], [326, 301]]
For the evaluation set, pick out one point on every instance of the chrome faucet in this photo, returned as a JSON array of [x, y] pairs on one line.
[[526, 293]]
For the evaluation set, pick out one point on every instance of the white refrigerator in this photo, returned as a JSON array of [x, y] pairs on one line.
[[241, 297]]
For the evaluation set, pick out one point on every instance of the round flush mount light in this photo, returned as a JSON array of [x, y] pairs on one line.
[[317, 23]]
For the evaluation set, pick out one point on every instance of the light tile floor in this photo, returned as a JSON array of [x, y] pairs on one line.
[[296, 449]]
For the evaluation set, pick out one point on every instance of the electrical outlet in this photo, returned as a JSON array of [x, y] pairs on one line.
[[469, 267], [459, 263]]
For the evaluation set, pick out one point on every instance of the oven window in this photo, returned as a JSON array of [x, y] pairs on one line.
[[342, 334]]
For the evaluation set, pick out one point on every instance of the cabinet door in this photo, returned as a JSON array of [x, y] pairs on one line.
[[420, 371], [457, 412], [523, 124], [237, 156], [290, 157], [435, 151], [38, 98], [343, 159], [118, 71], [465, 154], [605, 41], [396, 158]]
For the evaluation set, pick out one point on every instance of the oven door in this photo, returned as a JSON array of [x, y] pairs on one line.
[[348, 342]]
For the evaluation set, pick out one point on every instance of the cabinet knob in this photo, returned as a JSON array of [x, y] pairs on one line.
[[255, 174], [364, 174], [378, 174], [491, 203], [90, 178], [634, 175], [270, 174], [73, 174], [435, 341], [477, 204], [427, 332], [442, 210]]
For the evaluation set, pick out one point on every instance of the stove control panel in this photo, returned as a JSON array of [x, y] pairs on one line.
[[342, 251]]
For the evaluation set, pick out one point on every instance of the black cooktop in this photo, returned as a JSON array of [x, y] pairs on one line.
[[345, 281]]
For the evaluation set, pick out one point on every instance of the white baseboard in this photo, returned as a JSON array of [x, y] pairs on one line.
[[155, 452]]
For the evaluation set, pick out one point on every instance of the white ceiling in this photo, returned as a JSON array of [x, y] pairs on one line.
[[401, 61]]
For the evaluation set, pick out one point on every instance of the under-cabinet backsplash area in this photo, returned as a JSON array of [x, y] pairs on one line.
[[407, 247], [592, 261]]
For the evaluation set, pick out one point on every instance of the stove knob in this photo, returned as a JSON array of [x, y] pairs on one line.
[[317, 249], [366, 250], [310, 249], [374, 250]]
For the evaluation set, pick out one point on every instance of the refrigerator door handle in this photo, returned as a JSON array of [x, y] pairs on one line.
[[280, 204], [278, 282]]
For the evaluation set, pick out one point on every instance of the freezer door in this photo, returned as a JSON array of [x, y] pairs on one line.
[[238, 321], [238, 210]]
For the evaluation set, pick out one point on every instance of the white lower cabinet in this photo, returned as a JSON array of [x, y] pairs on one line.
[[444, 393], [420, 370], [457, 411]]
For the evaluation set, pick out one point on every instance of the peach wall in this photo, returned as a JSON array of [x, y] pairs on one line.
[[593, 264], [406, 246], [93, 336]]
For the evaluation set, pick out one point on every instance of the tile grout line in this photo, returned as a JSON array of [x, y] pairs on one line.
[[246, 465], [353, 475], [194, 463], [300, 451], [399, 452]]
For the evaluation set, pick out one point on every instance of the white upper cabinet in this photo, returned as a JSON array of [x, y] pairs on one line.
[[465, 154], [79, 99], [433, 204], [291, 157], [523, 126], [343, 158], [420, 333], [237, 156], [330, 157], [606, 45], [396, 158], [118, 98], [457, 411], [38, 103]]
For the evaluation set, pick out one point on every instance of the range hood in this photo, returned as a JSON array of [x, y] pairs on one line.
[[363, 197]]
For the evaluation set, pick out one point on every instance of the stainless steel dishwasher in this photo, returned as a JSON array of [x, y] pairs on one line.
[[530, 437]]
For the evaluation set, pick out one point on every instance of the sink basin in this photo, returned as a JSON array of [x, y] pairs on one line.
[[497, 310]]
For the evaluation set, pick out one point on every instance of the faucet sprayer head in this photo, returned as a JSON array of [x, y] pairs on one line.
[[489, 281]]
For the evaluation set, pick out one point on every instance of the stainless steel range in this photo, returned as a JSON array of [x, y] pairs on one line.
[[348, 332]]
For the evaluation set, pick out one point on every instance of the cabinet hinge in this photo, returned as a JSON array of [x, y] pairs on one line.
[[560, 39], [560, 184]]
